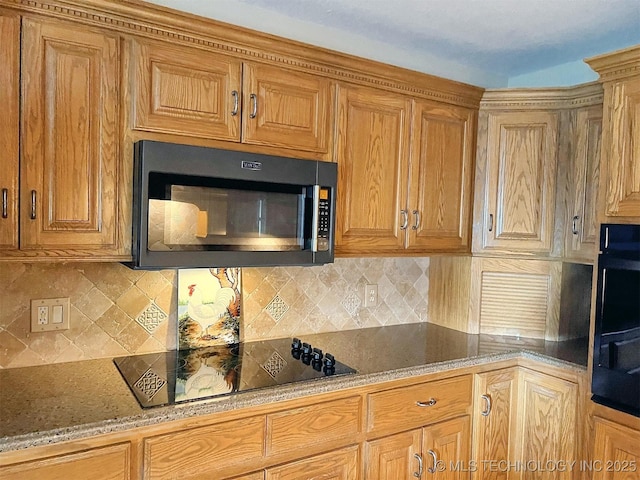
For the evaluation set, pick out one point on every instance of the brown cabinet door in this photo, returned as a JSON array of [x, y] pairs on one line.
[[186, 91], [395, 456], [70, 139], [286, 109], [440, 191], [547, 419], [373, 162], [616, 452], [621, 148], [584, 176], [520, 182], [338, 465], [9, 129], [446, 450], [495, 404]]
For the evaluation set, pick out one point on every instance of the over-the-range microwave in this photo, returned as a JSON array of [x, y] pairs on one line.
[[205, 207]]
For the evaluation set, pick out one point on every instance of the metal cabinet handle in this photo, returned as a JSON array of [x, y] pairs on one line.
[[491, 222], [254, 101], [418, 457], [5, 203], [487, 409], [432, 401], [405, 219], [234, 94], [574, 224], [434, 457], [33, 204], [416, 213]]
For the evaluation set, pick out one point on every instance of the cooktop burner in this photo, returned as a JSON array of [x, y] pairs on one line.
[[178, 376]]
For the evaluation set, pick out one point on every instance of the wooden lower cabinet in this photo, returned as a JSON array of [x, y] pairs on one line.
[[616, 451], [214, 450], [105, 463], [337, 465], [525, 425], [395, 456], [495, 403], [439, 451], [477, 425]]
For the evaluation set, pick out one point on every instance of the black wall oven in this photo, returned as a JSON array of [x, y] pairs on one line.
[[616, 350]]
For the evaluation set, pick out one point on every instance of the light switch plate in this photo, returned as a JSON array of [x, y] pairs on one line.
[[50, 314]]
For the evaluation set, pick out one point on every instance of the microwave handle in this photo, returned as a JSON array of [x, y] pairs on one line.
[[315, 221]]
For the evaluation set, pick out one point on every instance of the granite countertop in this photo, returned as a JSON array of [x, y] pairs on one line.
[[53, 403]]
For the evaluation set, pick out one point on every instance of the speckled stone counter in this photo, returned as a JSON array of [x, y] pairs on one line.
[[59, 402]]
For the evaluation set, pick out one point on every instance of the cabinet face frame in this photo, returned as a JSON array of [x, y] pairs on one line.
[[70, 78], [9, 129]]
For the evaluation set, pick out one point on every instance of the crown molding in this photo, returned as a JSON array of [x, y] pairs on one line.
[[543, 98], [134, 17], [617, 65]]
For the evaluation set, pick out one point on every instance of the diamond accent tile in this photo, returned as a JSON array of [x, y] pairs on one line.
[[151, 318], [149, 384], [277, 308], [274, 365], [351, 303]]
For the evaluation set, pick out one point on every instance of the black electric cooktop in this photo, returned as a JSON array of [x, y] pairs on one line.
[[178, 376]]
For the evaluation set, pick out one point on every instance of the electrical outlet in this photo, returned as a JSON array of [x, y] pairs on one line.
[[370, 295], [43, 315], [50, 314]]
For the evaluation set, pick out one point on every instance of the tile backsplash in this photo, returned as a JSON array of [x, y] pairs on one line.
[[117, 311]]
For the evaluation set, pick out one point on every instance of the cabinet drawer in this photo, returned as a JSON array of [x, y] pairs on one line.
[[106, 463], [205, 450], [310, 428], [417, 405]]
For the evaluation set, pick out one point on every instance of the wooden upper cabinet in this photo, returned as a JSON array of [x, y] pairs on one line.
[[186, 91], [582, 187], [620, 174], [373, 161], [9, 129], [441, 177], [519, 182], [287, 109], [70, 137], [405, 172], [198, 93]]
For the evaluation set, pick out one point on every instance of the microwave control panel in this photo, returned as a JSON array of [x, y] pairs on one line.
[[324, 219]]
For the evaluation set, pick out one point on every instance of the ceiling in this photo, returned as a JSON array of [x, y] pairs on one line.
[[484, 42]]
